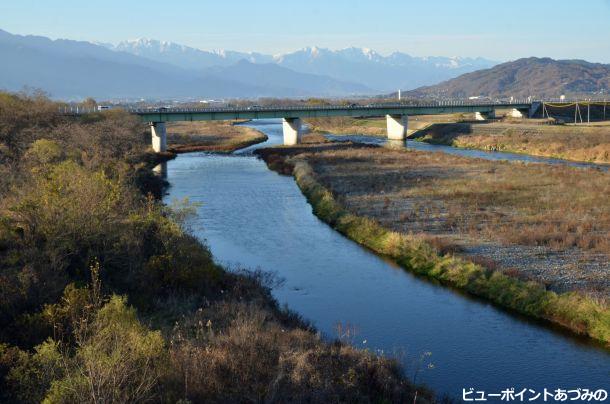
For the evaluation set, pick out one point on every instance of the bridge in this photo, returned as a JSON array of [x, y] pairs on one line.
[[396, 115]]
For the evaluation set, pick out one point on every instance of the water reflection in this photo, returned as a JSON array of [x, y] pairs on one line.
[[395, 144]]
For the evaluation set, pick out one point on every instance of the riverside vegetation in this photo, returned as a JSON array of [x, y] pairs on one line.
[[530, 238], [105, 296]]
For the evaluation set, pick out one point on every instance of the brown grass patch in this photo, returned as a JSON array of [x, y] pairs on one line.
[[219, 136], [580, 143], [238, 352]]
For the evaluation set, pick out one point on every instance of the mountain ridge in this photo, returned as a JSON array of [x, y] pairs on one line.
[[525, 77], [77, 69], [359, 65]]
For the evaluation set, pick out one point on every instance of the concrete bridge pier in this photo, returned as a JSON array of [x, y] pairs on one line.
[[159, 136], [483, 116], [397, 126], [292, 131]]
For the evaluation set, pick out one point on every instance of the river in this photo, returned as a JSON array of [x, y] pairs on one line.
[[253, 217], [474, 153]]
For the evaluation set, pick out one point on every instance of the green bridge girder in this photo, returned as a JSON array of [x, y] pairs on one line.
[[171, 115]]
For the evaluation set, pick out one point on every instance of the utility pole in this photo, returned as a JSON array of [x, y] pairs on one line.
[[589, 112]]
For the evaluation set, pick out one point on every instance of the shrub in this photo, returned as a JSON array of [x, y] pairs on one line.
[[44, 151], [119, 360], [56, 226], [30, 375], [24, 117]]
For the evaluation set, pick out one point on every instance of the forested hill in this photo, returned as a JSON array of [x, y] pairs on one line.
[[536, 77]]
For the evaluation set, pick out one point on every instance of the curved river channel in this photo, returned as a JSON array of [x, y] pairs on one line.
[[253, 217]]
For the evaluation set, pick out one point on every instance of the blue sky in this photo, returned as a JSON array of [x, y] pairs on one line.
[[501, 30]]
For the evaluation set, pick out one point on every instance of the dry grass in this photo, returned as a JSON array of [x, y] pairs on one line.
[[243, 348], [238, 352], [220, 136], [580, 142], [349, 126], [572, 142]]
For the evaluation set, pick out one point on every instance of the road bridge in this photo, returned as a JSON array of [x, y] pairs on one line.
[[396, 114]]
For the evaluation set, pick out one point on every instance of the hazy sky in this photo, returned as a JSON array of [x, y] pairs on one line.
[[500, 30]]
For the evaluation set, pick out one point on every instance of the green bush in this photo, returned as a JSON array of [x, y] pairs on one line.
[[30, 375], [69, 216], [118, 360], [44, 151], [54, 226]]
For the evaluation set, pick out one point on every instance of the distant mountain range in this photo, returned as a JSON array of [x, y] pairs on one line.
[[147, 68], [396, 71], [152, 69], [357, 65], [185, 56], [536, 77], [75, 70]]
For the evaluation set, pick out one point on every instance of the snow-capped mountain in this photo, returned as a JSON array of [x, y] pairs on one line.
[[398, 70], [359, 65], [186, 56]]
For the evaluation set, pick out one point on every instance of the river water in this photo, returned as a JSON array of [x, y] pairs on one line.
[[253, 217], [483, 154]]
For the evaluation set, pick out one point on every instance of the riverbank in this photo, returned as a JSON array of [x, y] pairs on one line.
[[585, 143], [588, 143], [385, 209], [373, 126], [211, 136], [107, 296], [347, 126]]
